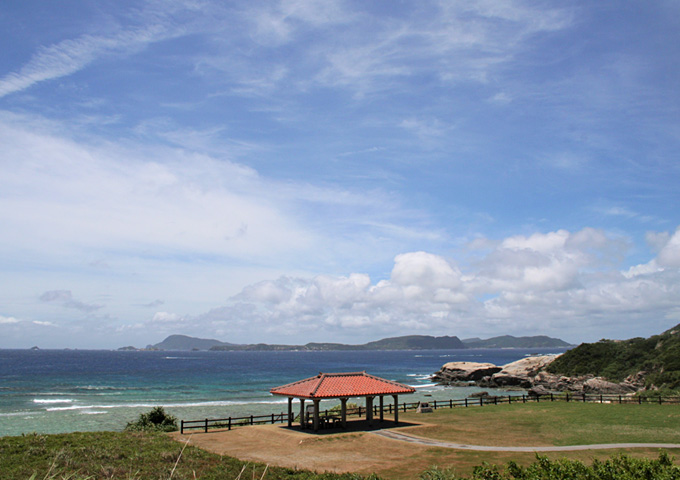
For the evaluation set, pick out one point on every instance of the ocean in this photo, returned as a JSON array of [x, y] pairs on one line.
[[56, 391]]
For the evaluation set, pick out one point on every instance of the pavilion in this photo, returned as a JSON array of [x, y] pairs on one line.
[[342, 386]]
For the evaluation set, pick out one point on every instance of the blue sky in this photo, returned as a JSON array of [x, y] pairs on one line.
[[293, 171]]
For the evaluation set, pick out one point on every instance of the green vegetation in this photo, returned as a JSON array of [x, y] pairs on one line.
[[657, 356], [148, 455], [128, 456], [155, 420], [137, 455], [620, 467]]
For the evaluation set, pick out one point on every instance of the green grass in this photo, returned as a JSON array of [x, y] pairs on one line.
[[149, 455], [126, 455], [557, 423]]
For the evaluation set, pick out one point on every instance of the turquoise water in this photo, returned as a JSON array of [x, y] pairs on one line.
[[54, 391]]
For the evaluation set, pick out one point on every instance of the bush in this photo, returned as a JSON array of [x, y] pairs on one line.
[[155, 420]]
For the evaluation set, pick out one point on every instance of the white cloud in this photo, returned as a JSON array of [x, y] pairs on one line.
[[542, 283], [669, 255], [8, 320], [44, 323], [163, 317], [69, 56]]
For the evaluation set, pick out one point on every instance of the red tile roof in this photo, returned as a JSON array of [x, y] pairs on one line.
[[336, 385]]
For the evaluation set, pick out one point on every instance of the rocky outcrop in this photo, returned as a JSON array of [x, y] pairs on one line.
[[463, 373], [520, 373], [529, 374]]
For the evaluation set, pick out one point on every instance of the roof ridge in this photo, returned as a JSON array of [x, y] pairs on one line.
[[321, 376]]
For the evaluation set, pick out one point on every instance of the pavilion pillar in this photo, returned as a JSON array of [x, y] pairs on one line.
[[316, 414], [381, 408], [290, 412], [369, 410], [302, 413], [343, 412], [396, 409]]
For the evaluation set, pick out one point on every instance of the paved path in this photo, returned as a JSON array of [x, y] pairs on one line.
[[440, 443]]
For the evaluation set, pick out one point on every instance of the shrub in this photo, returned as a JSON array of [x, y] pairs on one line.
[[155, 420]]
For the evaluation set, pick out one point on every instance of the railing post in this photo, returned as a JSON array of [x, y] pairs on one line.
[[601, 401], [206, 425], [251, 420], [466, 402], [620, 401], [450, 402], [404, 407], [524, 399], [552, 399], [435, 404], [659, 399], [584, 398], [567, 397], [272, 419], [639, 400], [481, 401], [229, 423], [181, 427], [509, 400], [495, 400]]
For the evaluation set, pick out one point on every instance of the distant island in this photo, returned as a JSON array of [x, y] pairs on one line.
[[408, 342]]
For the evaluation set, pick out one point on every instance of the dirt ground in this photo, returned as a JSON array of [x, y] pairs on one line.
[[359, 451], [339, 451]]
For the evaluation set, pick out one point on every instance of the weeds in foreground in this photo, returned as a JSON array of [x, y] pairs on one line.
[[620, 467], [142, 456]]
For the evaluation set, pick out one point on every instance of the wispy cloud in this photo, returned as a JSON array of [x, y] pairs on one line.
[[70, 56], [65, 299]]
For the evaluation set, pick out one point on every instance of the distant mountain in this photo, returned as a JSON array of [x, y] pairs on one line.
[[415, 342], [408, 342], [508, 341], [184, 342]]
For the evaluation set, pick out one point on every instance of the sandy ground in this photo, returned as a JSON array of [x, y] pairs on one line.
[[339, 451]]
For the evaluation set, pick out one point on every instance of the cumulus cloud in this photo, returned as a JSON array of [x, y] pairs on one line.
[[541, 283], [669, 255]]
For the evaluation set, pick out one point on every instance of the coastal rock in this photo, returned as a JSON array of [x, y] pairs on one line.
[[529, 373], [520, 373], [600, 385], [464, 372]]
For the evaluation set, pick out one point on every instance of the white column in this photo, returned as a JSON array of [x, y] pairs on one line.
[[316, 414]]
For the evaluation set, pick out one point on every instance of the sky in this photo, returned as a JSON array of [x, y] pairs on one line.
[[337, 171]]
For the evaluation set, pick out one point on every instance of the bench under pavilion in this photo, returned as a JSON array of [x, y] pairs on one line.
[[341, 386]]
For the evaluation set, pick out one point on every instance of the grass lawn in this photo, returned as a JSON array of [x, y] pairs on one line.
[[557, 423], [126, 455]]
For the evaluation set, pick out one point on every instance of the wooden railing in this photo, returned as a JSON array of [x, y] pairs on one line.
[[231, 422]]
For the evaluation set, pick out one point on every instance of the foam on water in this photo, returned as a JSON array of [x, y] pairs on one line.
[[63, 391], [51, 401]]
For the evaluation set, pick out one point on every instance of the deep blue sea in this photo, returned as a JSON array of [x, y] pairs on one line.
[[54, 391]]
